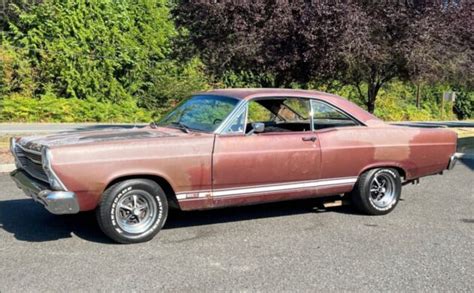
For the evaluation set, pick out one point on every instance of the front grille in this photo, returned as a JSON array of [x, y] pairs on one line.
[[31, 162]]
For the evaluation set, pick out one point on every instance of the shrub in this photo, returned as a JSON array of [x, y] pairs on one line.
[[389, 109], [49, 108], [172, 83], [16, 73], [464, 104]]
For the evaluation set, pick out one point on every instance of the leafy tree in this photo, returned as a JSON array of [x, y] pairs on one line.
[[276, 42], [442, 54], [359, 42]]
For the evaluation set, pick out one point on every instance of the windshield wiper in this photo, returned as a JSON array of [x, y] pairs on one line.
[[182, 126]]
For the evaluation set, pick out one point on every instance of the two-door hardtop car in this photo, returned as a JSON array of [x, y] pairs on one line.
[[225, 148]]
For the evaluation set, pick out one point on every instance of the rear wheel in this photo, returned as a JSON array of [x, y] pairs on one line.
[[377, 191], [132, 211]]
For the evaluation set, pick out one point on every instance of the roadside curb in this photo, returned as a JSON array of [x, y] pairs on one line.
[[5, 168]]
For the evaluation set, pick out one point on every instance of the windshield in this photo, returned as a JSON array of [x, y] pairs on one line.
[[201, 113]]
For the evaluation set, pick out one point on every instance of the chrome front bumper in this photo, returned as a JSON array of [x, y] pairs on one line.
[[452, 162], [56, 202]]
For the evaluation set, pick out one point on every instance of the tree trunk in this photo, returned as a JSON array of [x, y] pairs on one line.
[[418, 100], [371, 96], [371, 105]]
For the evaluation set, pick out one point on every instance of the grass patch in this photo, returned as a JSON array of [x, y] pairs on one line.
[[465, 140], [464, 132], [4, 141]]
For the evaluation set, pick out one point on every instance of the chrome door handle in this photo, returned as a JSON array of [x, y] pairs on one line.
[[311, 138]]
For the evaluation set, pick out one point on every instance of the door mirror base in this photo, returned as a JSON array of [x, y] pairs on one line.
[[257, 127]]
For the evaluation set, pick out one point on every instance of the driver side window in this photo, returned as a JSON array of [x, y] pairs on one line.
[[258, 113], [280, 114]]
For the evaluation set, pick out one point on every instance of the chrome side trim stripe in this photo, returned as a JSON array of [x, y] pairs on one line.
[[195, 194], [266, 188]]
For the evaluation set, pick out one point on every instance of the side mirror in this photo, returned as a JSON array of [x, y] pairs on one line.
[[257, 127]]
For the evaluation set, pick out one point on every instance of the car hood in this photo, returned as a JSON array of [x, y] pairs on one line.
[[83, 137]]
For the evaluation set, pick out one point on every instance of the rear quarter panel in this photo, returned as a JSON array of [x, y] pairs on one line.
[[352, 150]]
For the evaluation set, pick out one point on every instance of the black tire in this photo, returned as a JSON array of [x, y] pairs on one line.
[[366, 201], [112, 210]]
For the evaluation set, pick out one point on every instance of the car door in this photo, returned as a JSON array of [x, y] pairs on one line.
[[265, 166]]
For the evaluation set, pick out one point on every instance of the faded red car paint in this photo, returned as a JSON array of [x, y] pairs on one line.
[[196, 166]]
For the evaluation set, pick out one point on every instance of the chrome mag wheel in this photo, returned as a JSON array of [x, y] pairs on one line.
[[382, 190], [136, 212]]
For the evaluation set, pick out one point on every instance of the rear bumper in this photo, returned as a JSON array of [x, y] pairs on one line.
[[452, 162], [56, 202]]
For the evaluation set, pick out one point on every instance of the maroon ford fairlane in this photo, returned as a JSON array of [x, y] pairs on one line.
[[226, 148]]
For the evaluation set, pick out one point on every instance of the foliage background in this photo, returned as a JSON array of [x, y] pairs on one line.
[[130, 61]]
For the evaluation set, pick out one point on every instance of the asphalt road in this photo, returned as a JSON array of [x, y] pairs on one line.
[[426, 244]]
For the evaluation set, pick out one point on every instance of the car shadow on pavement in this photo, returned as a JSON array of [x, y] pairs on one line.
[[28, 221], [468, 163], [181, 219]]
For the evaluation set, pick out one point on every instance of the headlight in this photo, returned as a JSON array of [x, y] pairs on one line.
[[54, 181], [12, 145]]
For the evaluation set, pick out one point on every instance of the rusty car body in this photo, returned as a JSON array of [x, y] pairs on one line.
[[306, 144]]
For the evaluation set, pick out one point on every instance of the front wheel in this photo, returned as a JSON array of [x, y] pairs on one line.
[[132, 211], [377, 191]]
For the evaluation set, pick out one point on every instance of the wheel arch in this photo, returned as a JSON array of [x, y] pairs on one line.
[[400, 169], [160, 180]]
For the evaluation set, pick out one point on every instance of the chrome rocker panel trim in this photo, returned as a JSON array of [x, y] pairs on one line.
[[56, 202]]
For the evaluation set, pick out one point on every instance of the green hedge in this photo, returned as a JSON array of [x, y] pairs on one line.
[[396, 101], [48, 108], [92, 60]]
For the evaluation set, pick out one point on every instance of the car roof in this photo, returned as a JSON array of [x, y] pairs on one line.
[[248, 93], [342, 103]]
